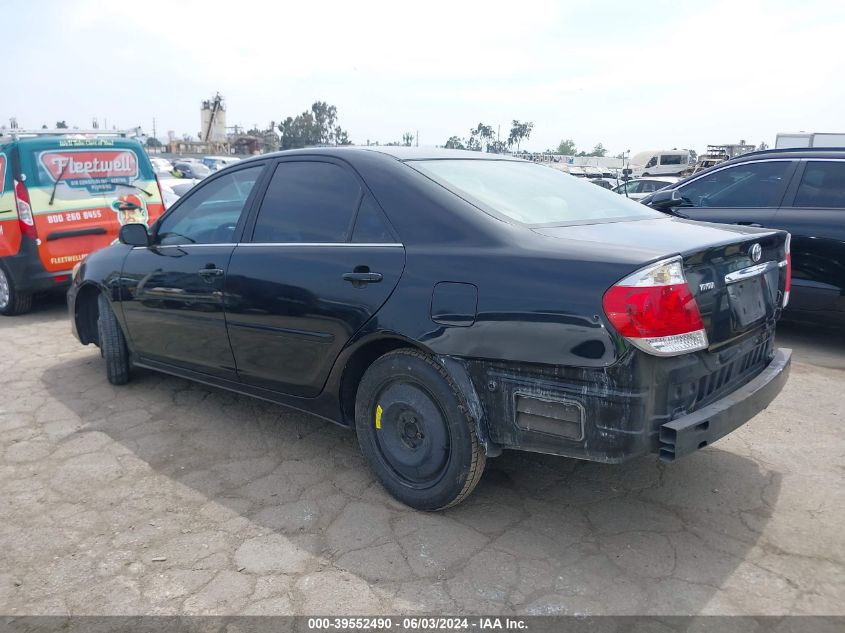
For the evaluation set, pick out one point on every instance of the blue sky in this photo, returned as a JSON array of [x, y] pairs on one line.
[[631, 75]]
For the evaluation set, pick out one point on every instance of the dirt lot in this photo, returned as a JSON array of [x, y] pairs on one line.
[[169, 497]]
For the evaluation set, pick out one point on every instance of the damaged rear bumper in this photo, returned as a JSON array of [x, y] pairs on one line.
[[641, 405], [696, 430]]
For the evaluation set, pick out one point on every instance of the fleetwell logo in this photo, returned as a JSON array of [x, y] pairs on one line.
[[707, 286], [72, 165]]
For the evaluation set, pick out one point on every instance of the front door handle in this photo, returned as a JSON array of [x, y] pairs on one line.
[[211, 272], [360, 279]]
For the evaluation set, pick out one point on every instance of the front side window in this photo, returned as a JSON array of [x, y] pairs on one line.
[[751, 185], [822, 185], [652, 162], [530, 194], [209, 214], [308, 202]]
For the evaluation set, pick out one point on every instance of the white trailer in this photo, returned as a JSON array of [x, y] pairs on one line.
[[816, 139]]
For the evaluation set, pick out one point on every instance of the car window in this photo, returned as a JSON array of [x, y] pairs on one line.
[[822, 185], [745, 185], [672, 159], [632, 186], [652, 162], [209, 214], [370, 225], [308, 202], [530, 194]]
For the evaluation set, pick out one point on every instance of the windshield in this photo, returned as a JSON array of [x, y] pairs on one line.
[[531, 194]]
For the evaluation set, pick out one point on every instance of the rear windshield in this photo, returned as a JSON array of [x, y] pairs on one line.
[[531, 194], [76, 173]]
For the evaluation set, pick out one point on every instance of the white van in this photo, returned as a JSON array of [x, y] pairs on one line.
[[660, 162]]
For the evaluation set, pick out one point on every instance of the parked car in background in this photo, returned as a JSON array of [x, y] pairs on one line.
[[62, 198], [447, 305], [660, 162], [605, 183], [639, 188], [160, 164], [173, 188], [798, 190], [216, 162], [191, 169]]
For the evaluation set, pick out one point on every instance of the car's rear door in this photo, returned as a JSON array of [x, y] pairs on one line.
[[320, 262], [814, 214], [172, 297], [745, 193]]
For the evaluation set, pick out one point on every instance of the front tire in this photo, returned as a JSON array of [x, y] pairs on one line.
[[12, 301], [112, 344], [414, 429]]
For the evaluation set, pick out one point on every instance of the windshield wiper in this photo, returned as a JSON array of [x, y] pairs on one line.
[[58, 180], [126, 184]]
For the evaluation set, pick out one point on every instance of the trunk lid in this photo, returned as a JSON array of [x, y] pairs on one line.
[[738, 288]]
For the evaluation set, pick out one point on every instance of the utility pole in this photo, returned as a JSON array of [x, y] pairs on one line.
[[154, 128], [418, 138]]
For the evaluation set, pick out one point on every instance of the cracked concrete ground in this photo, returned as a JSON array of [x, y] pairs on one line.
[[167, 497]]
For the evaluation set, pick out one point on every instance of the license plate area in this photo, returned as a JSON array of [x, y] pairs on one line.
[[752, 300]]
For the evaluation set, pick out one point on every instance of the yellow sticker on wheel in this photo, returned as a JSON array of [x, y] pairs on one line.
[[378, 416]]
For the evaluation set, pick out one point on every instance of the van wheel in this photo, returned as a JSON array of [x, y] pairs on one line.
[[415, 432], [12, 302], [112, 344]]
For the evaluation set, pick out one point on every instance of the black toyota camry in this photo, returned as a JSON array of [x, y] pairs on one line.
[[447, 305]]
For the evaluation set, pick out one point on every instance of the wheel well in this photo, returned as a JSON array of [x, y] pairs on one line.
[[86, 314], [357, 365]]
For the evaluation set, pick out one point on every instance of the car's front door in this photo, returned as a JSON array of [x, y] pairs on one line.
[[745, 193], [173, 289], [814, 214], [321, 261]]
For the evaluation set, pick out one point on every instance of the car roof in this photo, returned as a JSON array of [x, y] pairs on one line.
[[399, 153], [794, 152]]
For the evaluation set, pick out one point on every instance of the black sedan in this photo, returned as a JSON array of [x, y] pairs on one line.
[[447, 305], [799, 190]]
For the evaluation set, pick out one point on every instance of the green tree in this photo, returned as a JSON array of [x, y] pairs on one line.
[[153, 142], [61, 125], [519, 131], [480, 136], [317, 126], [598, 150], [567, 147], [454, 143], [407, 139]]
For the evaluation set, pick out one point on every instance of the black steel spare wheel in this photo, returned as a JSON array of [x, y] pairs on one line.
[[414, 430]]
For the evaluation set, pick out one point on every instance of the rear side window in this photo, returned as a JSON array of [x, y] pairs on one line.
[[822, 185], [370, 225], [750, 185], [308, 202], [672, 159]]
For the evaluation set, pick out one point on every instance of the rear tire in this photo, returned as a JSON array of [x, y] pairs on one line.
[[12, 301], [415, 432], [112, 344]]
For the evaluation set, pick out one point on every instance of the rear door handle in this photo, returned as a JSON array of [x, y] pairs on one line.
[[360, 279], [211, 272]]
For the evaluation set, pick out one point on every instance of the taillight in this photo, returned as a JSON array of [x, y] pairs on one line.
[[25, 218], [788, 284], [656, 311]]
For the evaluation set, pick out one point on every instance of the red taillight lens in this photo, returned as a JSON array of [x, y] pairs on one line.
[[25, 217], [788, 284], [655, 310]]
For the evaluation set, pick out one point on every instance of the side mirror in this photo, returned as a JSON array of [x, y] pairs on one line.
[[666, 199], [134, 235]]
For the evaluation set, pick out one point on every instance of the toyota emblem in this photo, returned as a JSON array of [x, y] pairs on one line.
[[756, 252]]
